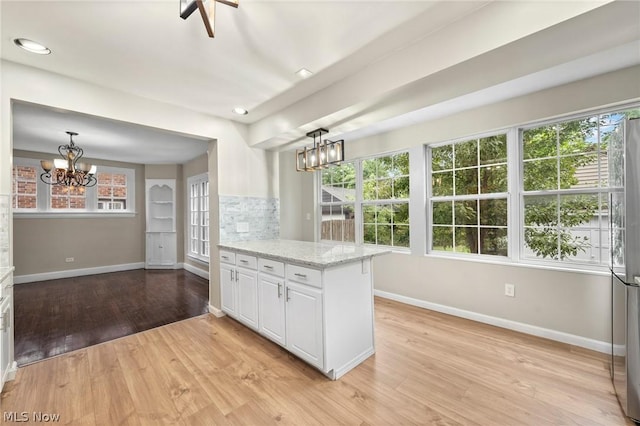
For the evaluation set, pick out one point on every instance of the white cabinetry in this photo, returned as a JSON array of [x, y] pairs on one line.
[[229, 295], [239, 287], [161, 247], [324, 315], [7, 365], [304, 323], [271, 300], [6, 333]]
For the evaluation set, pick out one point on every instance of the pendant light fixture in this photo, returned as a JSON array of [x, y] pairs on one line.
[[66, 171], [321, 155]]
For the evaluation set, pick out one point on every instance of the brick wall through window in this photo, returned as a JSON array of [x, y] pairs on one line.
[[24, 187]]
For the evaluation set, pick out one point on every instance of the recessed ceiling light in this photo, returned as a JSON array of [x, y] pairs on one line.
[[32, 46], [304, 73], [240, 111]]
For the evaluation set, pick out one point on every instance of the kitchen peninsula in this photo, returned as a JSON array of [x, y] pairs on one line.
[[314, 299]]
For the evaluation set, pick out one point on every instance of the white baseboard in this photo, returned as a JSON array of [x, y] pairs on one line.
[[559, 336], [13, 370], [216, 312], [199, 272], [22, 279]]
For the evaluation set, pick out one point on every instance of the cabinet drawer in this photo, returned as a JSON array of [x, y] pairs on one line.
[[304, 275], [227, 257], [271, 267], [247, 261]]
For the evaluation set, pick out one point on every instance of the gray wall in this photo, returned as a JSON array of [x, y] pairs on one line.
[[297, 208], [576, 303], [41, 245], [194, 167]]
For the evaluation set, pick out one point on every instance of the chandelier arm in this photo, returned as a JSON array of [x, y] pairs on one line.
[[91, 181], [80, 153], [60, 148], [46, 175]]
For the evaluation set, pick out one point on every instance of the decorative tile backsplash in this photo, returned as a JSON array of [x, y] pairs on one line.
[[249, 218]]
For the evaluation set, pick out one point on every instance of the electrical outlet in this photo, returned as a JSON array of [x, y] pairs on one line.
[[510, 290], [69, 259]]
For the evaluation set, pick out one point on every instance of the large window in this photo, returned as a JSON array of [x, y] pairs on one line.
[[24, 187], [113, 193], [367, 201], [566, 168], [469, 200], [337, 203], [68, 198], [562, 175], [199, 216], [385, 200]]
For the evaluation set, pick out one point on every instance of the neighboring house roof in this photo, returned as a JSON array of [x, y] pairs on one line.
[[335, 194]]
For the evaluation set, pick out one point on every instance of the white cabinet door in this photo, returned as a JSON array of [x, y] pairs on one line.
[[271, 296], [248, 297], [304, 323], [228, 289], [161, 249], [154, 248], [5, 333]]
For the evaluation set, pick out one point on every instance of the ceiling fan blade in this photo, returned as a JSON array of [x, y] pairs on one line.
[[208, 13], [233, 3]]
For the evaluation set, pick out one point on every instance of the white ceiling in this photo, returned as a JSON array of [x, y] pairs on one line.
[[376, 63], [42, 129]]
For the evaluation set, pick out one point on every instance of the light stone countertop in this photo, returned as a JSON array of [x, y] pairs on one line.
[[316, 255]]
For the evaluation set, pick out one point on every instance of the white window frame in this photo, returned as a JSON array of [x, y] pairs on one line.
[[322, 204], [362, 202], [43, 194], [27, 163], [516, 193], [572, 264], [112, 200], [511, 173], [359, 202], [202, 213]]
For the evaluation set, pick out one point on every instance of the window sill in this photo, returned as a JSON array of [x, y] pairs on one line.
[[580, 269], [70, 215], [199, 259]]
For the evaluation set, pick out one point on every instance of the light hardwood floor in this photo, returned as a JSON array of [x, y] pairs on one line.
[[429, 368]]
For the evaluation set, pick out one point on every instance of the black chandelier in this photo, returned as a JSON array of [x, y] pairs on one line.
[[66, 171], [321, 155]]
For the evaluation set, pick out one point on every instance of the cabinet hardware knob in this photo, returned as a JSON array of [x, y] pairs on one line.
[[237, 275], [243, 261], [231, 275], [225, 257], [287, 294], [300, 275], [268, 267], [279, 290]]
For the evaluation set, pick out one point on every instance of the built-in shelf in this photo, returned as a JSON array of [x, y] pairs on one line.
[[161, 224]]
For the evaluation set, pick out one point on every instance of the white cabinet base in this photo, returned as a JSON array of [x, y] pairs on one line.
[[323, 316]]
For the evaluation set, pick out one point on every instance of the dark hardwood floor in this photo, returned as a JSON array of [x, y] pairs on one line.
[[59, 316]]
